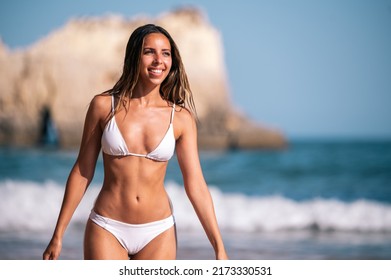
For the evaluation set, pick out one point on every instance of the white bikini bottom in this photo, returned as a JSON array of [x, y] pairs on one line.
[[133, 237]]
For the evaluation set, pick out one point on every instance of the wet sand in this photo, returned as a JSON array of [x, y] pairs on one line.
[[303, 245]]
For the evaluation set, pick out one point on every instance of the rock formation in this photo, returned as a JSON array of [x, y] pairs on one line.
[[63, 71]]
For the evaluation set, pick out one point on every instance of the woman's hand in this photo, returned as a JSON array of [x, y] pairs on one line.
[[53, 250]]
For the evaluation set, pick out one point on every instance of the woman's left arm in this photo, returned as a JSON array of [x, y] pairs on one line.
[[194, 182]]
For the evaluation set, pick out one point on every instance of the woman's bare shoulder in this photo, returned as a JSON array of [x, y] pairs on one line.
[[184, 116], [101, 103], [99, 107], [184, 122]]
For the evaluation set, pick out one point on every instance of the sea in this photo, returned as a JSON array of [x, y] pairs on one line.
[[313, 200]]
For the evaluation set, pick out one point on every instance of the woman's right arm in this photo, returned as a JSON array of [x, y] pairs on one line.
[[80, 176]]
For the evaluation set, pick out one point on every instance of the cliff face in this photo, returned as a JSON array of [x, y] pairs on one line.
[[62, 72]]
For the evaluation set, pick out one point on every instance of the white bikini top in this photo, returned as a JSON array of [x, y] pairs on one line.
[[114, 144]]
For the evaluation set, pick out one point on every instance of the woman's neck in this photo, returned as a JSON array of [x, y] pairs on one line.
[[146, 95]]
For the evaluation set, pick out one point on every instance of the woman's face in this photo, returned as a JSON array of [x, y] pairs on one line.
[[156, 59]]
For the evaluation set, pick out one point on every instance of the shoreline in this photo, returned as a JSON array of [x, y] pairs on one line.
[[294, 245]]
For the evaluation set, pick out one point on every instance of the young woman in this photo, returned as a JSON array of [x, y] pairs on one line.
[[138, 124]]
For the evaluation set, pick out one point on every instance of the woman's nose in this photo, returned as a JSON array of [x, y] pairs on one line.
[[158, 59]]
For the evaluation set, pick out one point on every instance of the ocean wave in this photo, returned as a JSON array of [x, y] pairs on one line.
[[32, 206]]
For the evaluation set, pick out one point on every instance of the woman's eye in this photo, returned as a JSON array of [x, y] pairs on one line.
[[167, 54]]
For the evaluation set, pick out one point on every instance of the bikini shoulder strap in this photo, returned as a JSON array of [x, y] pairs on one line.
[[112, 103], [172, 113]]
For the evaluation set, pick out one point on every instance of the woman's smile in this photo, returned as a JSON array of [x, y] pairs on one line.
[[155, 71]]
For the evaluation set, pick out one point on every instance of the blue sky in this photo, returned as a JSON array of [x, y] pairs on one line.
[[308, 68]]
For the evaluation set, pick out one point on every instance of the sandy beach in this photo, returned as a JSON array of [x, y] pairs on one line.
[[191, 246]]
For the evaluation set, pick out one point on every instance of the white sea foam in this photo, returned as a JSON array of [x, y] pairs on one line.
[[30, 206]]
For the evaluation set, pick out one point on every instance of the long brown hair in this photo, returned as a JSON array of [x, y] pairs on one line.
[[175, 88]]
